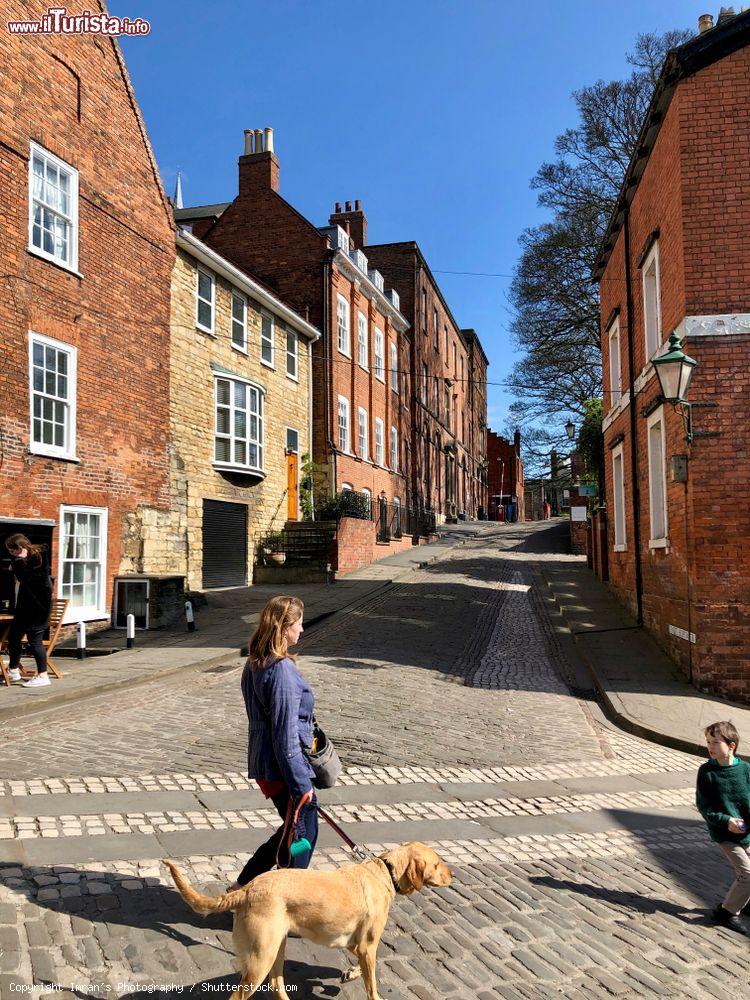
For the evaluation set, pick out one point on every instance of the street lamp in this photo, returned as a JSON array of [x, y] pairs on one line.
[[570, 429], [675, 372]]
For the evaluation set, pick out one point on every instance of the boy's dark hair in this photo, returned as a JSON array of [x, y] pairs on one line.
[[726, 731]]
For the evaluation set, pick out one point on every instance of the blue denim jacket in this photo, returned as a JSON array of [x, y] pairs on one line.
[[279, 705]]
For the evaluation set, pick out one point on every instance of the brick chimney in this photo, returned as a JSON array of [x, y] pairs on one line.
[[259, 168], [353, 221], [517, 442]]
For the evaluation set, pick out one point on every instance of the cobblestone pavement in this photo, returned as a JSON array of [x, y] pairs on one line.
[[581, 868]]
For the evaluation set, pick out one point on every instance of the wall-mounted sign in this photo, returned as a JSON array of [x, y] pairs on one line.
[[587, 490], [578, 513]]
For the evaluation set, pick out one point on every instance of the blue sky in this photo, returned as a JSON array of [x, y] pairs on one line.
[[436, 114]]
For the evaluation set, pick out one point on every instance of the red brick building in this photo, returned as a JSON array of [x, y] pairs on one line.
[[87, 248], [676, 256], [505, 477], [361, 364], [449, 402]]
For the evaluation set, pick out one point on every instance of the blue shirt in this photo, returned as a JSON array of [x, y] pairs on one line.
[[279, 704]]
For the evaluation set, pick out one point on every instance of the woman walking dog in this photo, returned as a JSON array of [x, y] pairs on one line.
[[33, 606], [279, 705]]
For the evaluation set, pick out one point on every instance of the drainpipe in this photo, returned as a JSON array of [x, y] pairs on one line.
[[635, 491], [327, 376], [310, 390]]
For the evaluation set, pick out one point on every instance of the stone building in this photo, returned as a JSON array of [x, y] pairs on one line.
[[87, 247], [675, 258], [240, 417], [361, 385], [449, 398], [505, 478]]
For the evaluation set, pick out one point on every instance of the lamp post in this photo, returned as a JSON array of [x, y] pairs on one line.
[[570, 430], [675, 372]]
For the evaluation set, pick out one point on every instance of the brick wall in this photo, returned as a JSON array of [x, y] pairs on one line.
[[504, 472], [71, 95], [695, 190], [355, 545]]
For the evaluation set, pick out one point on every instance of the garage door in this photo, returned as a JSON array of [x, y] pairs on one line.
[[224, 544]]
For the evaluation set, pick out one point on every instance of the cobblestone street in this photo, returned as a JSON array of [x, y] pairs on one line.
[[581, 867]]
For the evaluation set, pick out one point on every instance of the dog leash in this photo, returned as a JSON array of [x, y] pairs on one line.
[[362, 852]]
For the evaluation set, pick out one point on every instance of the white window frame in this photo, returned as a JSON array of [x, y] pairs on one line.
[[286, 440], [346, 427], [660, 478], [71, 263], [615, 364], [264, 340], [618, 500], [343, 326], [258, 441], [363, 444], [68, 451], [379, 352], [379, 442], [651, 324], [435, 329], [394, 449], [241, 324], [362, 346], [88, 613], [294, 376], [394, 367], [199, 298], [347, 488]]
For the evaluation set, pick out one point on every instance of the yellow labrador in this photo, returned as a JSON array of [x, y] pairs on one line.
[[347, 908]]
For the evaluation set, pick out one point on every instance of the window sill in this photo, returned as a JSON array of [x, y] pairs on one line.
[[365, 368], [244, 470], [380, 378], [41, 452], [293, 378], [658, 543], [619, 548], [205, 329], [239, 349], [41, 255], [268, 364]]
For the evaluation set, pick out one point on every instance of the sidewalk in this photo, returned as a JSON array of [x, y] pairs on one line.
[[222, 628], [642, 689]]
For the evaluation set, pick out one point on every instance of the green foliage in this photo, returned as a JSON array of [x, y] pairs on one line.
[[306, 488], [346, 504], [591, 440]]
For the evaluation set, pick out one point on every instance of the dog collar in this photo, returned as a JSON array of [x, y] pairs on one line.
[[393, 877]]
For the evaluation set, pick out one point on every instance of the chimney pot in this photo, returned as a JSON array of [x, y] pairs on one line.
[[348, 206], [338, 207], [269, 140], [358, 205], [248, 141], [258, 140], [705, 23]]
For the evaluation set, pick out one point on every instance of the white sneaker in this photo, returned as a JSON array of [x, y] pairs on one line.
[[41, 680], [14, 674]]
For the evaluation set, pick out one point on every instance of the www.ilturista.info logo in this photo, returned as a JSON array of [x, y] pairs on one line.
[[57, 21]]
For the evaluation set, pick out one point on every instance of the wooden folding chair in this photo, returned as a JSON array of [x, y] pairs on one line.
[[59, 607]]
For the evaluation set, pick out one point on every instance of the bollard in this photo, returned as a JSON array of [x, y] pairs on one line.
[[130, 642], [189, 614], [81, 641]]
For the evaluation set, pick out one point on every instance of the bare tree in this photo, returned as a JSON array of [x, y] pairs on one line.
[[556, 307]]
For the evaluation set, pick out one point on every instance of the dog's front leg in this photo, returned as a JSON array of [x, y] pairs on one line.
[[367, 956]]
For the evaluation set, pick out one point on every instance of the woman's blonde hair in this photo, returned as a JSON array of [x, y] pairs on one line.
[[268, 641]]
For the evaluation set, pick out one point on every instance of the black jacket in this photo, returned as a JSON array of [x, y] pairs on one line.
[[34, 600]]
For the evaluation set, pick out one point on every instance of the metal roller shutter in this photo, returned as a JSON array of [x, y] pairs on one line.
[[224, 544]]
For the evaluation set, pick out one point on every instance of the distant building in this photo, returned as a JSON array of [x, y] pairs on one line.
[[505, 478], [676, 257]]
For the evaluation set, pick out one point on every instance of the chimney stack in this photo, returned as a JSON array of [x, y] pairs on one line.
[[705, 23], [259, 168], [353, 221]]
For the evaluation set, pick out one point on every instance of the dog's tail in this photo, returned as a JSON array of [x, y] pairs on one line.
[[205, 904]]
